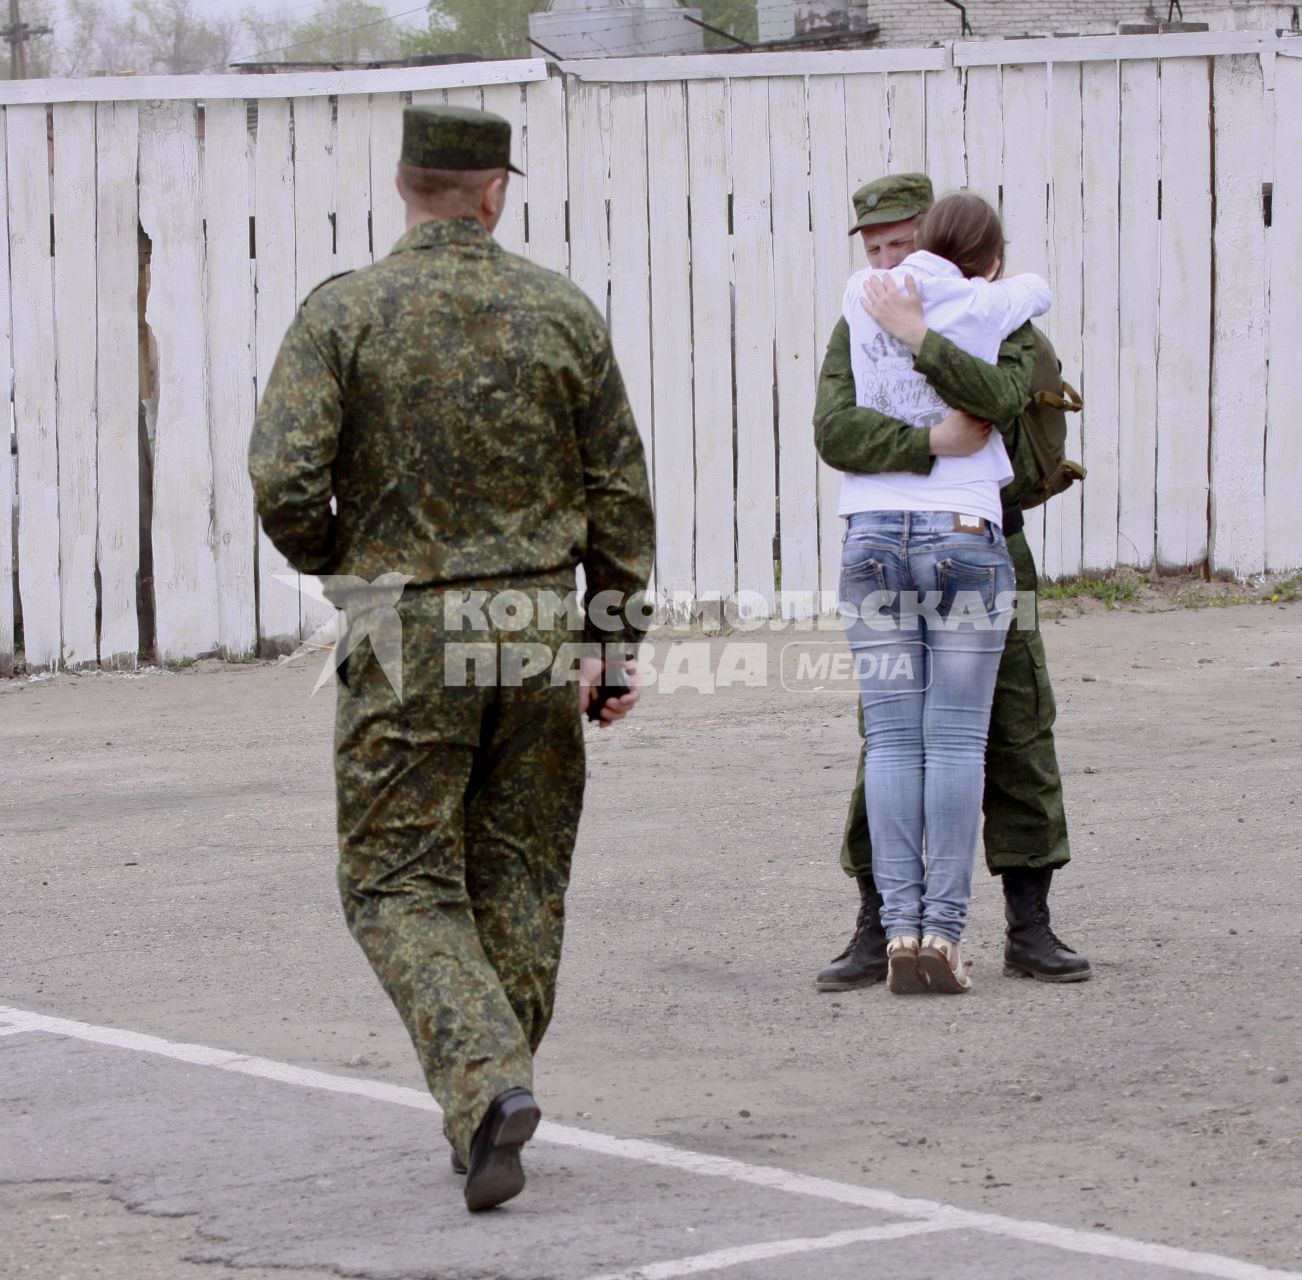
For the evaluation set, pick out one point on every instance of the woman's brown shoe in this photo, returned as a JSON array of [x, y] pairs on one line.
[[941, 966], [902, 975]]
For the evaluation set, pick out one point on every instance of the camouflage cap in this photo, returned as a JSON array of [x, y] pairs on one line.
[[456, 138], [894, 198]]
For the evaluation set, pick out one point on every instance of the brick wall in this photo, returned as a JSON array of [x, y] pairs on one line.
[[920, 22]]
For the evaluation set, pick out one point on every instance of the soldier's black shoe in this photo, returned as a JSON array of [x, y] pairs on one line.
[[863, 962], [494, 1174], [1031, 948], [457, 1165]]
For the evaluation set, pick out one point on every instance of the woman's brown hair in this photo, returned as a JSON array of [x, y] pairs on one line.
[[964, 229]]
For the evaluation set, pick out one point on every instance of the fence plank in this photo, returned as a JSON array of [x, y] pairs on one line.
[[753, 253], [228, 198], [830, 213], [73, 184], [1283, 461], [908, 115], [587, 132], [1184, 316], [1101, 160], [1138, 299], [171, 212], [31, 277], [1062, 516], [507, 101], [292, 84], [8, 638], [118, 339], [707, 146], [1238, 406], [353, 195], [1025, 207], [867, 129], [630, 252], [983, 138], [315, 173], [946, 163], [548, 181], [671, 340], [277, 301], [797, 362], [388, 215]]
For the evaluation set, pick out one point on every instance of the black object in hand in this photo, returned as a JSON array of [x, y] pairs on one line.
[[614, 684]]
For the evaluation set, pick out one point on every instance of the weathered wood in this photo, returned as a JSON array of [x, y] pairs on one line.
[[296, 84], [755, 65], [1283, 459], [797, 364], [548, 244], [1101, 161], [118, 378], [7, 583], [388, 215], [753, 257], [983, 134], [315, 170], [353, 199], [1184, 316], [830, 215], [1241, 310], [867, 142], [507, 101], [587, 131], [908, 113], [73, 182], [228, 205], [671, 341], [1108, 48], [32, 300], [277, 301], [630, 252], [171, 213], [1064, 324], [1025, 207], [1138, 300], [707, 138], [946, 162]]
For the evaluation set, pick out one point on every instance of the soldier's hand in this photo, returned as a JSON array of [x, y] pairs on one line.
[[590, 673], [898, 312], [959, 436]]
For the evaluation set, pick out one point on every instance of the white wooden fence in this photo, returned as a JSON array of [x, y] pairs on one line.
[[703, 203]]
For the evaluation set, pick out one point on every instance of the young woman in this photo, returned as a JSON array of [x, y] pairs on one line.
[[927, 592]]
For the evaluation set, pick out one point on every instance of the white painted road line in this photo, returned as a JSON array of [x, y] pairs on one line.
[[1091, 1243], [12, 1031], [722, 1258]]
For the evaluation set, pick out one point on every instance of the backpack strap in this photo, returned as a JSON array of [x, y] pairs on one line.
[[1069, 402]]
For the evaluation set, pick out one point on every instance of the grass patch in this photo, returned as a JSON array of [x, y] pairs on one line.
[[1110, 591], [1287, 592]]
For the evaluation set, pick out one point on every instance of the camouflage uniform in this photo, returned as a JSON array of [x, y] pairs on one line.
[[464, 411], [1025, 825]]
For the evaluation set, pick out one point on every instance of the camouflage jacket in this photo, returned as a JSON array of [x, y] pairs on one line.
[[463, 410], [851, 438]]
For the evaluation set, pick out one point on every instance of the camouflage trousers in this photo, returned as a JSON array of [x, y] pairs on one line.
[[1025, 824], [457, 812]]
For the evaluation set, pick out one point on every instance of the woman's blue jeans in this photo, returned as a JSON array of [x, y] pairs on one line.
[[927, 608]]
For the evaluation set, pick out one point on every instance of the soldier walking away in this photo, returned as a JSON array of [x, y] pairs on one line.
[[1025, 828], [454, 414]]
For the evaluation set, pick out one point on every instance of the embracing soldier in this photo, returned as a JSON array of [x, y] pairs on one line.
[[1025, 824]]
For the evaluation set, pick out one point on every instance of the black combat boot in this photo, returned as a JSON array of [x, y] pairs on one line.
[[863, 962], [1031, 948]]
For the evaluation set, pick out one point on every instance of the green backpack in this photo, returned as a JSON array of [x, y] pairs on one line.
[[1043, 426]]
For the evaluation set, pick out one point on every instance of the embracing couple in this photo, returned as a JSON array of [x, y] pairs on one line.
[[920, 396]]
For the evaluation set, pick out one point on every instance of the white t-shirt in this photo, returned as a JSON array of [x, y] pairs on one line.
[[975, 315]]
